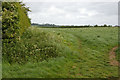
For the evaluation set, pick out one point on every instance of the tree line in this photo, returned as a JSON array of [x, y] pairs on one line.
[[68, 26]]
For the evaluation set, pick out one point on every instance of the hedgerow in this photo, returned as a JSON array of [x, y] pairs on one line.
[[14, 21]]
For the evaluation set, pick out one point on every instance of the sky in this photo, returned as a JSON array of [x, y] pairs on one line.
[[73, 13]]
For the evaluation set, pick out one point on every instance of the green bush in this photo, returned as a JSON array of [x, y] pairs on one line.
[[14, 21], [34, 46]]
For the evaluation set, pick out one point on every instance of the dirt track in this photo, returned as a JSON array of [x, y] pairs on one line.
[[112, 57]]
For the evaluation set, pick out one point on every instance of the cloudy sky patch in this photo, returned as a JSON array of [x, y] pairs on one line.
[[74, 13]]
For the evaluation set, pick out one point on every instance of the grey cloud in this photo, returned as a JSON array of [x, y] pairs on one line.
[[72, 13]]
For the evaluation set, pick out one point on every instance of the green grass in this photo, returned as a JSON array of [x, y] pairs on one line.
[[117, 51], [74, 53]]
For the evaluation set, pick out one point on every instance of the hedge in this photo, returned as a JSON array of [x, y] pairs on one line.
[[14, 21]]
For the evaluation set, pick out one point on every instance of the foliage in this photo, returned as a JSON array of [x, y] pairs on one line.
[[34, 46], [14, 21]]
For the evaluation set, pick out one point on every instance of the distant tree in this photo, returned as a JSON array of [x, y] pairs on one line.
[[96, 25], [105, 25]]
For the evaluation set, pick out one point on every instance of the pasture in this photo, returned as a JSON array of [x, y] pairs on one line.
[[61, 53]]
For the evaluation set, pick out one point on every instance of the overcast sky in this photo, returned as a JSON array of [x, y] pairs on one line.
[[74, 13]]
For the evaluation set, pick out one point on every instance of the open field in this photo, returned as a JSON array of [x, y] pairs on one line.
[[62, 53]]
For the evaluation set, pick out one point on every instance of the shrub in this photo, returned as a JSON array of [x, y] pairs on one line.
[[14, 21], [34, 46]]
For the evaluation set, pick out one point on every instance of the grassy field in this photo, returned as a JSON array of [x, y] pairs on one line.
[[62, 53]]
